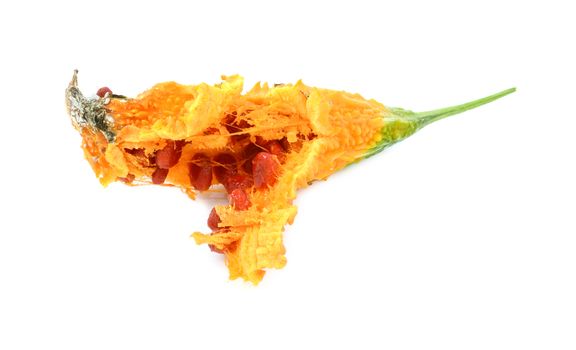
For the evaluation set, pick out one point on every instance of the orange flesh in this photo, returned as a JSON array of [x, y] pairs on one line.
[[311, 132]]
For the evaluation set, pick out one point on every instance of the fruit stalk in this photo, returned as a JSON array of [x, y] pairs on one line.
[[402, 123]]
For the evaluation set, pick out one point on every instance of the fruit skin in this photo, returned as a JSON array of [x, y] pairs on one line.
[[278, 140]]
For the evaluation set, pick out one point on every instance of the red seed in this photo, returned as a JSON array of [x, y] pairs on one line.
[[168, 156], [239, 199], [213, 220], [235, 181], [225, 166], [200, 172], [201, 177], [265, 168], [102, 91], [276, 149], [159, 176], [250, 152]]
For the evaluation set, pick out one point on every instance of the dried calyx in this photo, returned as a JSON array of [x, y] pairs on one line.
[[88, 112]]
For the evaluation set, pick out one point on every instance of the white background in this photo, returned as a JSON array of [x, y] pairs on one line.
[[462, 237]]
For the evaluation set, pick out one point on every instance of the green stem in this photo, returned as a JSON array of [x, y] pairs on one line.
[[401, 123], [426, 118]]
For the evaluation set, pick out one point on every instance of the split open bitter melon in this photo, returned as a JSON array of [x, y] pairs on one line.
[[259, 148]]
